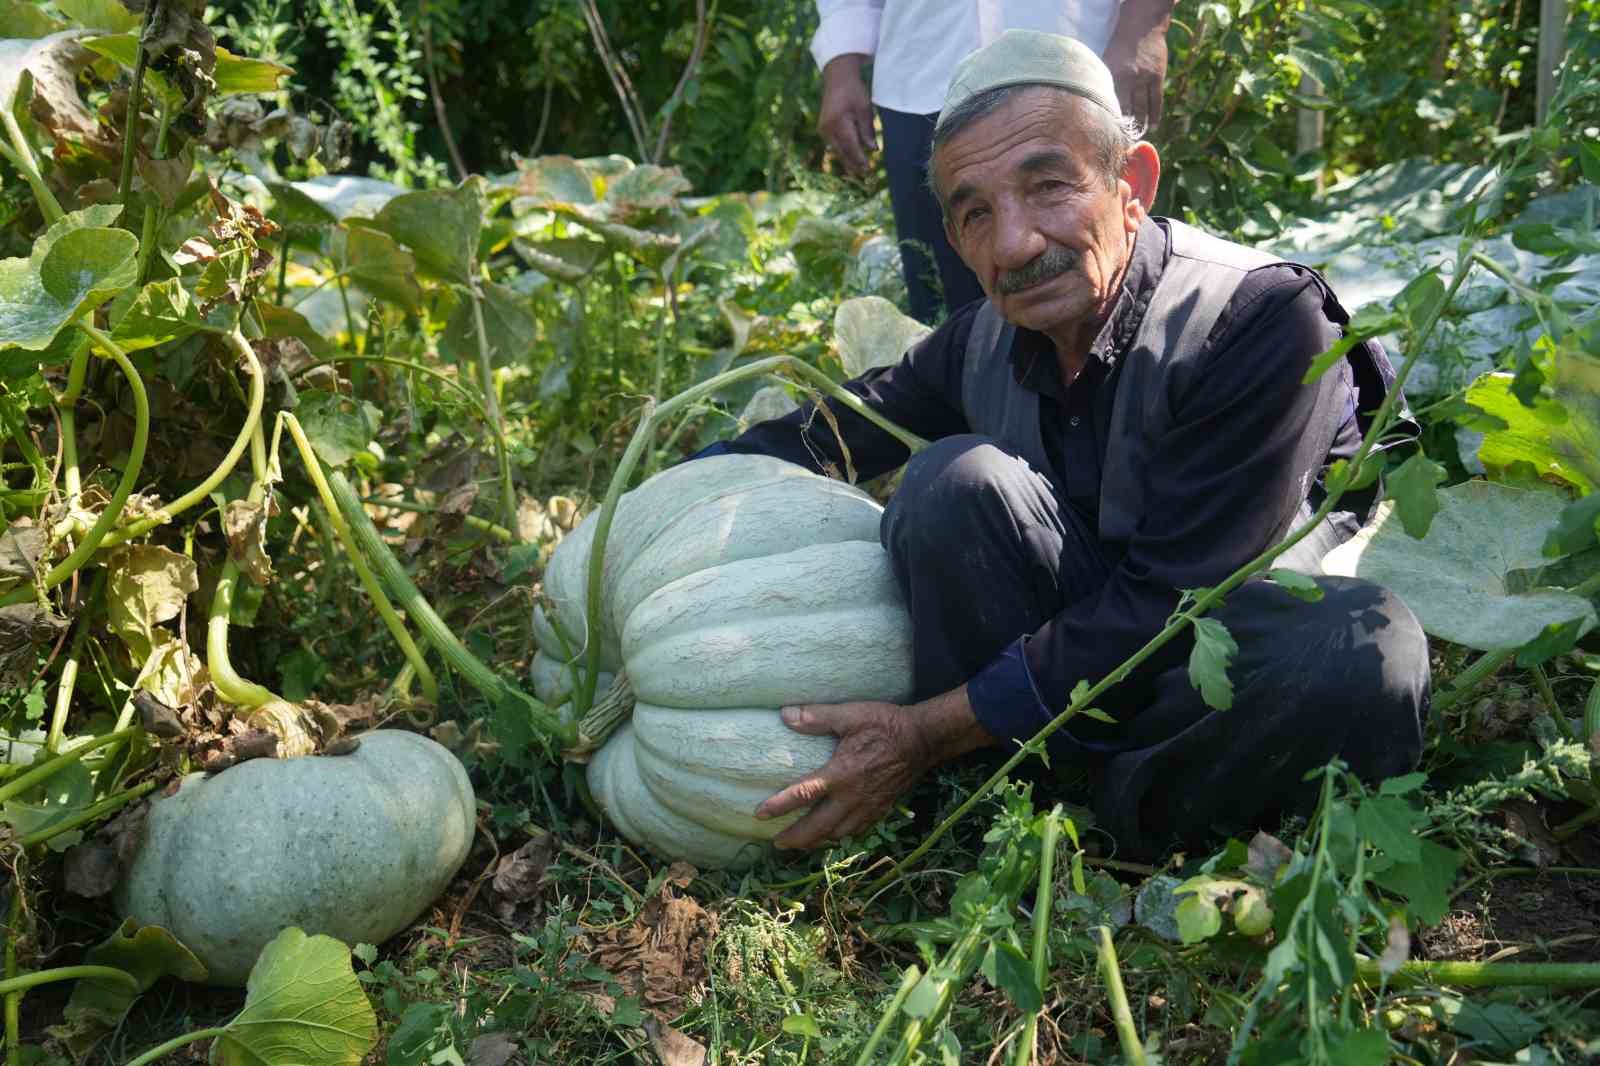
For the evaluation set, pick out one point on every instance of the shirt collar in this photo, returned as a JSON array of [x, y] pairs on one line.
[[1032, 355]]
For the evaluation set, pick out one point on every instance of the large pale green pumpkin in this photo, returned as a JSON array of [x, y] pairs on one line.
[[354, 846], [733, 586]]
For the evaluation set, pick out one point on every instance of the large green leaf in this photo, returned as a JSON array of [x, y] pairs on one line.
[[379, 265], [555, 179], [162, 311], [241, 74], [23, 19], [440, 226], [51, 802], [303, 1007], [872, 332], [74, 267], [108, 15], [1559, 434], [508, 325], [1459, 579], [337, 426]]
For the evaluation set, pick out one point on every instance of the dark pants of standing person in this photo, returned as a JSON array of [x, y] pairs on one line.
[[907, 139], [1344, 677]]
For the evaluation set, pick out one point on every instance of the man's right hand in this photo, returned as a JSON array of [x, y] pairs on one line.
[[846, 119]]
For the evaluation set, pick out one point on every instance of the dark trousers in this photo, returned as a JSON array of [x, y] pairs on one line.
[[985, 552], [918, 221]]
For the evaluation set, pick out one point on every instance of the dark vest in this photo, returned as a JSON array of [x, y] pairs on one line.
[[1200, 277]]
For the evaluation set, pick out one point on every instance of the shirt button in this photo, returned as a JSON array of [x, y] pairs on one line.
[[1073, 421]]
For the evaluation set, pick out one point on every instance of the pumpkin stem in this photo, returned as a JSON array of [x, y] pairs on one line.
[[603, 719]]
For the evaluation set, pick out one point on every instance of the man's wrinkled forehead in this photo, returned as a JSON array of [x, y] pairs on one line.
[[1049, 122]]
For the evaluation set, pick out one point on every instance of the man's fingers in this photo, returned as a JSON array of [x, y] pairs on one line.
[[820, 826], [803, 793], [816, 719]]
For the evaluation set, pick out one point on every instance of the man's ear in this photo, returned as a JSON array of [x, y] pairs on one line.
[[1142, 175]]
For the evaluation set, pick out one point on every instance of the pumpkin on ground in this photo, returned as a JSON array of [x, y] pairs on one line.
[[354, 846], [732, 586]]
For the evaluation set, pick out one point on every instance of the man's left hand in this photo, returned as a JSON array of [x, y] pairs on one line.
[[1138, 64], [881, 753]]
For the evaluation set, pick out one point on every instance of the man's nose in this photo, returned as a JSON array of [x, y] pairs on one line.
[[1017, 241]]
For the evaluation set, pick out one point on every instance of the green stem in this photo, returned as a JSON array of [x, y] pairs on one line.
[[958, 964], [69, 676], [152, 208], [1522, 871], [1042, 901], [230, 686], [13, 1002], [130, 475], [202, 491], [908, 981], [1483, 974], [482, 525], [491, 403], [67, 973], [1469, 679], [89, 814], [1547, 695], [130, 131], [155, 1053], [25, 162], [1204, 601], [67, 403], [494, 687], [1121, 1015], [50, 767], [369, 580], [651, 419]]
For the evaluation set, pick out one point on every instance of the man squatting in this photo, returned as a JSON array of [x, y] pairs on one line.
[[1122, 417]]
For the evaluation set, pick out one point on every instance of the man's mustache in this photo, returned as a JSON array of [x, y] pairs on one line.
[[1053, 262]]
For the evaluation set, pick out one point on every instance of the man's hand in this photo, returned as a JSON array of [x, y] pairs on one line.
[[845, 121], [880, 755], [883, 749], [1137, 58]]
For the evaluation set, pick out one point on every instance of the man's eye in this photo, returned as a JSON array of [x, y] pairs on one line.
[[973, 215]]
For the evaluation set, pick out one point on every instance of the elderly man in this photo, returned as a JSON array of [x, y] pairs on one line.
[[1123, 418]]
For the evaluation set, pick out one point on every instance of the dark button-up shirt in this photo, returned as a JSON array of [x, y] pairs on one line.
[[1248, 444]]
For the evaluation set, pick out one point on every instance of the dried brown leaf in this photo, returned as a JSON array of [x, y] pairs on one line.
[[91, 869], [245, 525], [519, 876], [673, 1047]]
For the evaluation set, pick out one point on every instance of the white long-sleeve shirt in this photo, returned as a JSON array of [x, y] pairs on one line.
[[916, 44]]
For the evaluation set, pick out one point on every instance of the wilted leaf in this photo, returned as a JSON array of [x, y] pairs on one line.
[[146, 586], [1396, 948], [872, 332], [1456, 578], [645, 190], [22, 551], [303, 1004], [675, 1048], [518, 877], [53, 63], [555, 178], [337, 426], [440, 226], [770, 401], [1267, 854], [245, 525], [90, 870], [492, 1049], [167, 178], [148, 953]]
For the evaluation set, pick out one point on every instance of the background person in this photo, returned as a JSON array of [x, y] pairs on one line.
[[914, 45]]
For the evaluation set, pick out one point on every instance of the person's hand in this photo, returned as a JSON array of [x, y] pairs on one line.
[[880, 755], [1138, 65], [845, 121]]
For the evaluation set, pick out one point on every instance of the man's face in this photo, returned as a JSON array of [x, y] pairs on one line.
[[1030, 215]]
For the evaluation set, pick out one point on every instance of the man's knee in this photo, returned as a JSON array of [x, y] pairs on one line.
[[1354, 663], [952, 490]]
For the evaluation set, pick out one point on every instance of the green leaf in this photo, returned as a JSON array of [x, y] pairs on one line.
[[72, 269], [924, 996], [1330, 944], [162, 311], [1360, 1047], [337, 426], [440, 226], [1198, 917], [1413, 487], [1420, 300], [1560, 433], [1505, 1027], [1371, 321], [1009, 970], [1426, 883], [379, 265], [147, 952], [1390, 823], [1403, 785], [51, 802], [1214, 649], [508, 325], [1577, 528], [1557, 638], [302, 1004], [241, 74], [1458, 578], [555, 179], [802, 1025], [871, 332], [1296, 584], [24, 20], [107, 15]]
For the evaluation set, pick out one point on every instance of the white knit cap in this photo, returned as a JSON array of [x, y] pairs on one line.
[[1029, 57]]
